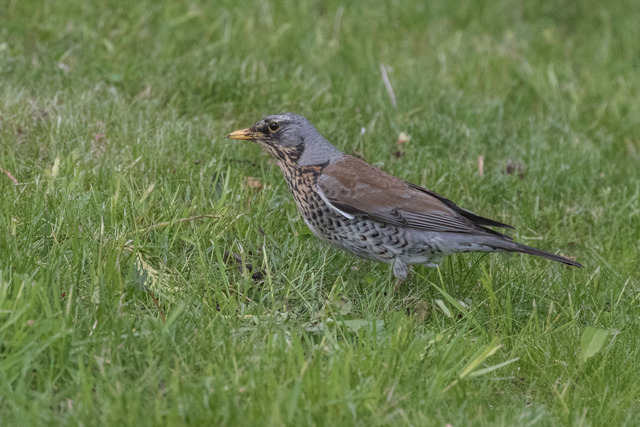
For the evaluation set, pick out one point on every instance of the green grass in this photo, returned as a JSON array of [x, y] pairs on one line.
[[112, 121]]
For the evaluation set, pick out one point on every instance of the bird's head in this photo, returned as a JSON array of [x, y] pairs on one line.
[[289, 137]]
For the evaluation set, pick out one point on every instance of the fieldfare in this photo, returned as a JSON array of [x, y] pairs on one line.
[[363, 210]]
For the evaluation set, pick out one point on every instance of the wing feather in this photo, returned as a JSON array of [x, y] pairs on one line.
[[355, 188]]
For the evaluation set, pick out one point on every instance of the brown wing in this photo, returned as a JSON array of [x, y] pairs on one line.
[[359, 189]]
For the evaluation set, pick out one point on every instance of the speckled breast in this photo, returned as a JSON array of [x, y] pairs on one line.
[[360, 236]]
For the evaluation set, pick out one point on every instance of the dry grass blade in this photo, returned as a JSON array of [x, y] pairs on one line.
[[10, 176], [153, 297], [387, 84], [168, 223]]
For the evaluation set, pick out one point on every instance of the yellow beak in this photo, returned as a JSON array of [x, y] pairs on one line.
[[244, 134]]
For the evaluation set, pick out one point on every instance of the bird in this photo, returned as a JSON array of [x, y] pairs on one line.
[[363, 210]]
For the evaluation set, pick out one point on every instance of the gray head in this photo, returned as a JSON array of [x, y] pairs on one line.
[[290, 138]]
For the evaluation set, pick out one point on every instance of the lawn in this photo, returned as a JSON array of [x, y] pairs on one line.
[[154, 273]]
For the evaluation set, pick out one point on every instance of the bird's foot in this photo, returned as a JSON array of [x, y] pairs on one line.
[[397, 286], [400, 271]]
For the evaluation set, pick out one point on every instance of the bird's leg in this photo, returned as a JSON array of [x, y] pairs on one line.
[[400, 271]]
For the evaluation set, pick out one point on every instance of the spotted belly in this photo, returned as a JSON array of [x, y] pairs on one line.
[[360, 236]]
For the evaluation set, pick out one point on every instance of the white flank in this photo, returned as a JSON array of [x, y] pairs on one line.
[[333, 208]]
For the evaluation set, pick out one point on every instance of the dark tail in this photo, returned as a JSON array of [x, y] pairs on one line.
[[519, 247]]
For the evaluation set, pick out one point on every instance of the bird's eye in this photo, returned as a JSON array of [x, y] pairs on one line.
[[274, 126]]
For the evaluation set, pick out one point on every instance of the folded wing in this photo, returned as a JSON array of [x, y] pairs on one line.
[[355, 188]]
